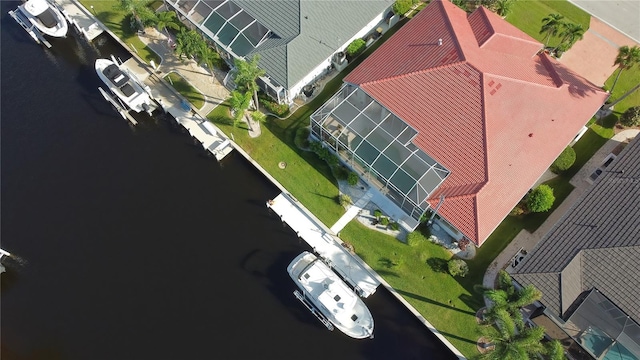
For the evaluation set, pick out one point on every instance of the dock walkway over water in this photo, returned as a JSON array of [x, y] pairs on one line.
[[347, 265], [78, 16]]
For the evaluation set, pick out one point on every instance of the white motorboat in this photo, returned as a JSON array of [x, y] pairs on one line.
[[45, 17], [124, 85], [329, 298]]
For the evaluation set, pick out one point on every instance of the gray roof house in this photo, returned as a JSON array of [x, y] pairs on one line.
[[296, 39], [588, 265]]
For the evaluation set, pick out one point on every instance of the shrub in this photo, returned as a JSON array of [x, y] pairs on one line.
[[401, 7], [344, 200], [564, 161], [541, 199], [377, 213], [353, 178], [302, 138], [315, 146], [414, 238], [384, 221], [274, 108], [458, 267], [631, 117], [394, 226], [356, 47], [340, 172], [518, 210]]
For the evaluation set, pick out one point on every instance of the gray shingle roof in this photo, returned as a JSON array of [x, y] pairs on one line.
[[595, 244], [309, 31]]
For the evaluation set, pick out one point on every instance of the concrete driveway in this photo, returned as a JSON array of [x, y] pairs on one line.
[[593, 56], [623, 15]]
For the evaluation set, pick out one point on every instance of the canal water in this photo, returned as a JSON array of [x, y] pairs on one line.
[[134, 244]]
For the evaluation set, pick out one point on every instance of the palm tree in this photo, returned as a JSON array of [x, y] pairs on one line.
[[569, 35], [247, 73], [511, 341], [622, 97], [503, 7], [140, 13], [167, 19], [506, 297], [627, 58], [551, 25], [554, 350], [188, 42], [239, 102], [208, 56]]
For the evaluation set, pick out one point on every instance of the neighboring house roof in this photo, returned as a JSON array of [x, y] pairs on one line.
[[486, 103], [595, 244], [307, 32]]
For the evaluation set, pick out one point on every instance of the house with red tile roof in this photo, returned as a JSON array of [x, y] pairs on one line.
[[458, 113]]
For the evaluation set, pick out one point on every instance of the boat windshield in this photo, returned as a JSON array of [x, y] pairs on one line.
[[127, 90], [48, 18], [117, 77]]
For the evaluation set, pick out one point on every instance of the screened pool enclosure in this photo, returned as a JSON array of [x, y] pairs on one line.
[[225, 22], [603, 329], [378, 145]]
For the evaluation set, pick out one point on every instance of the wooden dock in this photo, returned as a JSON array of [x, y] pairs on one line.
[[80, 17]]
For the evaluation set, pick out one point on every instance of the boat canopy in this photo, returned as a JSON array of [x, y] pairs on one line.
[[115, 75], [48, 18]]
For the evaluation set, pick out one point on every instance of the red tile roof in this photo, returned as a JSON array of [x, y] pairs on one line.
[[487, 105]]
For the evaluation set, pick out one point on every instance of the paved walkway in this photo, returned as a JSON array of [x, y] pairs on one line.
[[526, 240], [210, 85], [593, 56]]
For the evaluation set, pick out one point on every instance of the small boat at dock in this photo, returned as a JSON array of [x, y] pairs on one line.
[[46, 17], [329, 298], [125, 86]]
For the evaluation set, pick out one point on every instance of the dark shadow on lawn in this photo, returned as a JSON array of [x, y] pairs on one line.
[[437, 265], [457, 337], [427, 300]]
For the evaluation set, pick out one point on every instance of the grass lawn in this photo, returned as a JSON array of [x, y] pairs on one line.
[[190, 93], [527, 16], [628, 79], [307, 177], [448, 303], [115, 20]]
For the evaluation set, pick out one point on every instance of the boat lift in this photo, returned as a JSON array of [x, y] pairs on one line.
[[118, 105], [31, 29], [323, 319]]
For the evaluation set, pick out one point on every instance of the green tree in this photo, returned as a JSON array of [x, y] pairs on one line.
[[564, 161], [554, 350], [139, 12], [167, 19], [209, 57], [258, 116], [506, 297], [247, 74], [356, 47], [551, 26], [188, 43], [511, 341], [239, 102], [458, 267], [631, 117], [627, 58], [569, 35], [503, 7], [540, 199], [401, 7], [633, 89]]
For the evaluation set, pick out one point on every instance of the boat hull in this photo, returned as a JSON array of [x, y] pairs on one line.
[[45, 17], [330, 296]]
